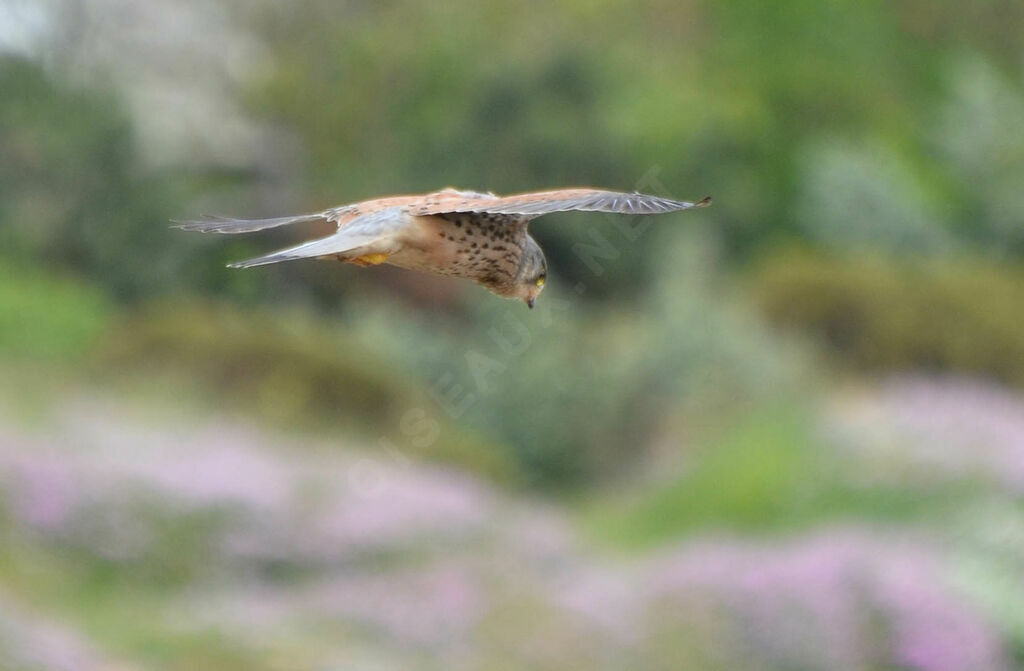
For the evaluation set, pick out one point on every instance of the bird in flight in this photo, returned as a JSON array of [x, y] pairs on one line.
[[477, 236]]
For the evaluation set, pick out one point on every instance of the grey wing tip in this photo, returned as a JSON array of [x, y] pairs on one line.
[[207, 224], [274, 257], [214, 224], [248, 263], [258, 261]]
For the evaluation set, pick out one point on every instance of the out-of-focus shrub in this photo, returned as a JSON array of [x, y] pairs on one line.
[[288, 366], [978, 135], [922, 449], [48, 317], [762, 474], [881, 313], [74, 192], [866, 196], [292, 368], [578, 394]]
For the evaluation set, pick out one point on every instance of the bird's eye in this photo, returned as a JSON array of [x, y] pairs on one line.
[[540, 281]]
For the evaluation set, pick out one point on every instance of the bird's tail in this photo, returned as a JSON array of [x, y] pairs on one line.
[[332, 245], [369, 234]]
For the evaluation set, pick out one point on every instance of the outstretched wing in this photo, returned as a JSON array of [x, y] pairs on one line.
[[231, 225], [341, 216], [373, 233], [535, 204]]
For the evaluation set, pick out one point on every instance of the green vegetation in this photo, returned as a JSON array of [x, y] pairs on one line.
[[49, 318], [767, 473], [286, 368], [119, 613], [752, 478], [297, 371], [884, 313]]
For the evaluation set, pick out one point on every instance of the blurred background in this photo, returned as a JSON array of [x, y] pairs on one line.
[[785, 432]]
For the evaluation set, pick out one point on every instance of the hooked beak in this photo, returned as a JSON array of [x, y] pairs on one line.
[[530, 301]]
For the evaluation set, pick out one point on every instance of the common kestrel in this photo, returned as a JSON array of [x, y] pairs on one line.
[[478, 236]]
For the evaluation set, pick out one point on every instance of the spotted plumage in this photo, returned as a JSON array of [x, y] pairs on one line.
[[477, 236]]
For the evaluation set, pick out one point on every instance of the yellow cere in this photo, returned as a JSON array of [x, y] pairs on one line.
[[540, 281]]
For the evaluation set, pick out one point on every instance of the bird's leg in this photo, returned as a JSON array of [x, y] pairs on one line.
[[369, 260]]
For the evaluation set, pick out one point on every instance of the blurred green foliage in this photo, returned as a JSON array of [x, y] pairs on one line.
[[107, 602], [294, 370], [74, 192], [751, 478], [288, 367], [49, 318], [883, 313], [765, 471]]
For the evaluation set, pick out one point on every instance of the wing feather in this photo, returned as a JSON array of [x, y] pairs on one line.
[[545, 202], [340, 215], [231, 225]]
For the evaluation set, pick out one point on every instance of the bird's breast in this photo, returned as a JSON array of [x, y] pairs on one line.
[[462, 245]]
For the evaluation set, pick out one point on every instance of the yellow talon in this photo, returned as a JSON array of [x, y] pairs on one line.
[[370, 259]]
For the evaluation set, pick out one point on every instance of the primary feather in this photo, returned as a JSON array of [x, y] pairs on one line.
[[544, 202], [231, 225]]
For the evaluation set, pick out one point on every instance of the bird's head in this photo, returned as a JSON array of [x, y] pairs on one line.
[[529, 278], [532, 274]]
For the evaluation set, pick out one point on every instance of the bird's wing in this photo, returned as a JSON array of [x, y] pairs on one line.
[[543, 202], [372, 233], [530, 205], [232, 225], [341, 215]]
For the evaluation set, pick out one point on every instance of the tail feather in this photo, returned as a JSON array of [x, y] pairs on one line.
[[370, 233], [338, 243], [231, 225]]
